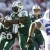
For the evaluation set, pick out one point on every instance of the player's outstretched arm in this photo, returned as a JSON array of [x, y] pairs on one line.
[[31, 30], [20, 20], [33, 26], [12, 21]]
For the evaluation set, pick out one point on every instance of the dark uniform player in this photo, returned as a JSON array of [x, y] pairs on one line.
[[8, 35], [16, 8], [24, 25], [38, 38], [23, 29]]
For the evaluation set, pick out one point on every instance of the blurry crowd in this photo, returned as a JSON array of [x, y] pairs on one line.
[[5, 5]]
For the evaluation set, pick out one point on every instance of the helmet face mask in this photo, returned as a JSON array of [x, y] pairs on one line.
[[36, 9], [36, 12], [17, 6], [15, 9]]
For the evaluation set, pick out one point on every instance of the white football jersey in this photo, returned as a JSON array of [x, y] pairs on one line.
[[45, 24], [45, 27]]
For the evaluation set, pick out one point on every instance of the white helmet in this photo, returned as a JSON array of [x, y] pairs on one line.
[[19, 4], [37, 8], [47, 14]]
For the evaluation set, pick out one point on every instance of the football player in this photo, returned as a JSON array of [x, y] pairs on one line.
[[38, 38], [44, 24], [24, 21], [9, 34], [17, 6]]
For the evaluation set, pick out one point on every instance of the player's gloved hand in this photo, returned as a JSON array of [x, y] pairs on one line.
[[29, 41]]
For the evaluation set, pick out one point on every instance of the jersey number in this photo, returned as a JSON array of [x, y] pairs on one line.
[[6, 36], [47, 29]]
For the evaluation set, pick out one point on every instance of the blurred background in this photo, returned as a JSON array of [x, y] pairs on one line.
[[5, 5]]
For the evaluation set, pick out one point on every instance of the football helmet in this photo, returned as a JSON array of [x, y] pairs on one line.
[[17, 5], [36, 9]]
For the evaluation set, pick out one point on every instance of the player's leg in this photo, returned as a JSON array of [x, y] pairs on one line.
[[37, 46], [31, 47], [23, 42], [22, 38], [9, 45], [47, 46], [16, 45], [39, 41], [2, 43]]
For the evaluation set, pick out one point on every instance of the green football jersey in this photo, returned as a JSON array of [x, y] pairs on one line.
[[33, 18], [8, 33], [27, 22], [38, 35], [14, 15]]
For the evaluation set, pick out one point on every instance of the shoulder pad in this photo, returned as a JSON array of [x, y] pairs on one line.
[[38, 20], [23, 14], [32, 16]]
